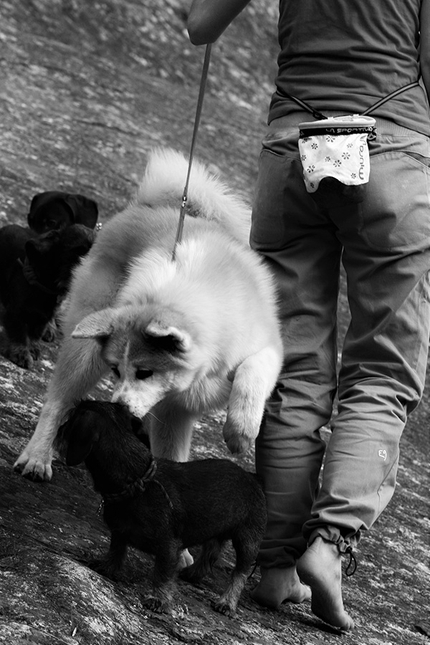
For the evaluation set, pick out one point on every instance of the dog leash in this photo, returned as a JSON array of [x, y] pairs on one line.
[[193, 142]]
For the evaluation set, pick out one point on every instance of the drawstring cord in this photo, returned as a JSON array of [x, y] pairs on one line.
[[351, 567], [352, 564]]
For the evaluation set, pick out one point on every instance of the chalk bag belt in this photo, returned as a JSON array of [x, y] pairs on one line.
[[319, 115]]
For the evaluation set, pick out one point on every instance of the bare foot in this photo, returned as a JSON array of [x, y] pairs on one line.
[[321, 568], [279, 585]]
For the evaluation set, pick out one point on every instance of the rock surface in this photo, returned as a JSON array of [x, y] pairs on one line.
[[86, 90]]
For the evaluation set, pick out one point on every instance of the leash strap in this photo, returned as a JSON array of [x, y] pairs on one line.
[[193, 143], [319, 115]]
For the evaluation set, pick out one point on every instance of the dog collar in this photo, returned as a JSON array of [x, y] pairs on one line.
[[132, 489], [138, 486]]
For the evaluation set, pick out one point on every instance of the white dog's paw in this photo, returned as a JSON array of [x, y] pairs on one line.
[[237, 441], [35, 467]]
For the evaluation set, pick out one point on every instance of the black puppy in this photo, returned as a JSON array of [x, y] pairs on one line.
[[161, 506], [35, 271], [54, 210]]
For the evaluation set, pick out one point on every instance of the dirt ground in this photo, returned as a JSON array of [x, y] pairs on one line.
[[86, 90]]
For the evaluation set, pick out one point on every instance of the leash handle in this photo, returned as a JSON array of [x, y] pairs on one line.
[[203, 80]]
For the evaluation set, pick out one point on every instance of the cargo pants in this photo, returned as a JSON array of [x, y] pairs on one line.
[[377, 377]]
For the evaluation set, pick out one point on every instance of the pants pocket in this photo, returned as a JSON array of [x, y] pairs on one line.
[[396, 213], [276, 198]]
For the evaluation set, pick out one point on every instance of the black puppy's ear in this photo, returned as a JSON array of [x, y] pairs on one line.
[[81, 439], [85, 210], [36, 201]]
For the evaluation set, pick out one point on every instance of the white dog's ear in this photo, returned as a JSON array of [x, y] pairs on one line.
[[96, 325], [180, 340]]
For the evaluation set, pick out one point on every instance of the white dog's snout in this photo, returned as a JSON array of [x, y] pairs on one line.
[[122, 394], [119, 397], [139, 400]]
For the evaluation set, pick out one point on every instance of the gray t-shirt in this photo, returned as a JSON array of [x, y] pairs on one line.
[[345, 55]]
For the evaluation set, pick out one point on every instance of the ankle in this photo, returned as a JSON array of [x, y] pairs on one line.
[[321, 568]]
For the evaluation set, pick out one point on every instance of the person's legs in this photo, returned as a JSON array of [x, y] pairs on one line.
[[387, 259], [300, 246]]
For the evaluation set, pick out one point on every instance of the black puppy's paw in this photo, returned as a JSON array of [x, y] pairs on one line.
[[223, 607], [35, 350], [156, 604], [20, 355], [50, 332]]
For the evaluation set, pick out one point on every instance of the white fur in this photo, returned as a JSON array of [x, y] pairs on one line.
[[207, 194], [214, 309]]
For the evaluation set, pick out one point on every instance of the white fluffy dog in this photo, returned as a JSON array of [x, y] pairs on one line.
[[182, 336]]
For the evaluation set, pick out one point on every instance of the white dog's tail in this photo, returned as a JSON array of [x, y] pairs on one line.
[[164, 181]]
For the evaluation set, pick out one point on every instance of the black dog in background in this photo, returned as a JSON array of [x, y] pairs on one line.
[[35, 271], [54, 210], [162, 507], [36, 265]]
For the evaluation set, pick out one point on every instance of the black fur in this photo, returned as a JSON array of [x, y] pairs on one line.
[[35, 271], [54, 210], [186, 504]]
